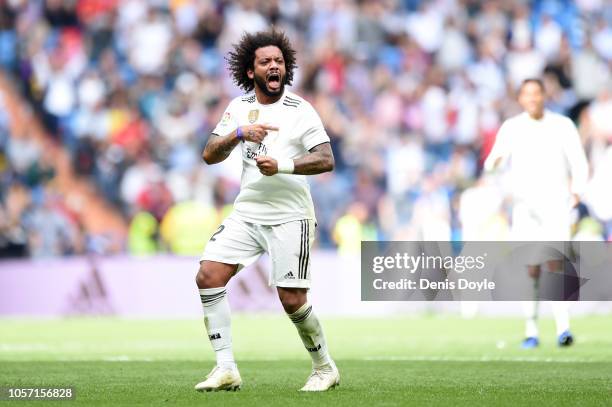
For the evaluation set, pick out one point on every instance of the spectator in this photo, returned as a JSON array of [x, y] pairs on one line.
[[411, 93]]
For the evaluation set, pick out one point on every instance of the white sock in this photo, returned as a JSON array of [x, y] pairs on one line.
[[561, 312], [218, 324], [530, 309], [311, 332]]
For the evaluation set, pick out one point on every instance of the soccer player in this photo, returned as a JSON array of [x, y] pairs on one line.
[[282, 140], [548, 172]]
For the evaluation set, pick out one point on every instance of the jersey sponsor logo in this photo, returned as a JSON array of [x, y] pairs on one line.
[[217, 336], [253, 115], [251, 154]]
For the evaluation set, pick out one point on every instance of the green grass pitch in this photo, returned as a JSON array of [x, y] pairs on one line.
[[425, 360]]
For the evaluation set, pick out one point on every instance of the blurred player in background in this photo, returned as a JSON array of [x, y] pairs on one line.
[[282, 140], [548, 171]]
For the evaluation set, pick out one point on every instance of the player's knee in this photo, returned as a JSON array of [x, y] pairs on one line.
[[206, 278], [201, 278], [212, 274], [292, 299]]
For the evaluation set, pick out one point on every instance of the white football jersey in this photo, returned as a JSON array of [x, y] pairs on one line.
[[543, 156], [272, 200]]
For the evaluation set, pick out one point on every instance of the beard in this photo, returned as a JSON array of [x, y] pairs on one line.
[[261, 83]]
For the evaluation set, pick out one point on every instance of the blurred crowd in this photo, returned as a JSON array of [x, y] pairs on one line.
[[412, 93]]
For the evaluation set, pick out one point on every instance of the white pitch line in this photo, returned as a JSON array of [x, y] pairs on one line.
[[124, 358], [23, 347], [475, 359], [482, 359]]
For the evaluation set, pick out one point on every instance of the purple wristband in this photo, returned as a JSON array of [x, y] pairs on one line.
[[239, 134]]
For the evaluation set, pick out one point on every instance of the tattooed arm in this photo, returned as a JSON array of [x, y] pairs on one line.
[[320, 159], [218, 148]]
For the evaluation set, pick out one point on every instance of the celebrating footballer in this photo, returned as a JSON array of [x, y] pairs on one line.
[[282, 139]]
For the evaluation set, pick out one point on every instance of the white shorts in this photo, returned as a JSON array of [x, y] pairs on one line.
[[288, 244], [550, 225]]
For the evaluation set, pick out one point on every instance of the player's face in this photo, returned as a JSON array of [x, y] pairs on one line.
[[531, 98], [269, 70]]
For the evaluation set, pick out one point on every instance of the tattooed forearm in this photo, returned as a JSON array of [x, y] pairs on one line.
[[218, 148], [320, 159]]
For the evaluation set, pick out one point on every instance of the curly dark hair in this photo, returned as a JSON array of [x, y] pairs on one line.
[[243, 57]]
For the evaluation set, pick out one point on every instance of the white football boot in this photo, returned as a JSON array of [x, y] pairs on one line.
[[323, 378], [221, 378]]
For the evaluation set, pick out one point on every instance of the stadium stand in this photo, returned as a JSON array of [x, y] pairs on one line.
[[105, 107]]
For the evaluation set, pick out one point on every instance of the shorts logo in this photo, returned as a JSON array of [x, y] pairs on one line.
[[289, 275], [214, 336], [253, 115]]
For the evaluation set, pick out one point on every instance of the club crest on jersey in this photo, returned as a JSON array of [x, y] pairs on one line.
[[253, 115]]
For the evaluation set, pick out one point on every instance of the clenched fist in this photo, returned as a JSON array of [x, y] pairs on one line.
[[267, 165], [256, 132]]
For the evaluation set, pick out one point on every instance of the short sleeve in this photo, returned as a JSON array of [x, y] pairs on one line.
[[312, 131], [501, 148], [228, 122], [576, 157]]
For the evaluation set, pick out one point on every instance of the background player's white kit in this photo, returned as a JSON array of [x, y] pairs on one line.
[[541, 155], [548, 168]]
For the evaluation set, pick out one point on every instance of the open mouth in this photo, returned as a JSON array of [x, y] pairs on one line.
[[274, 81]]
